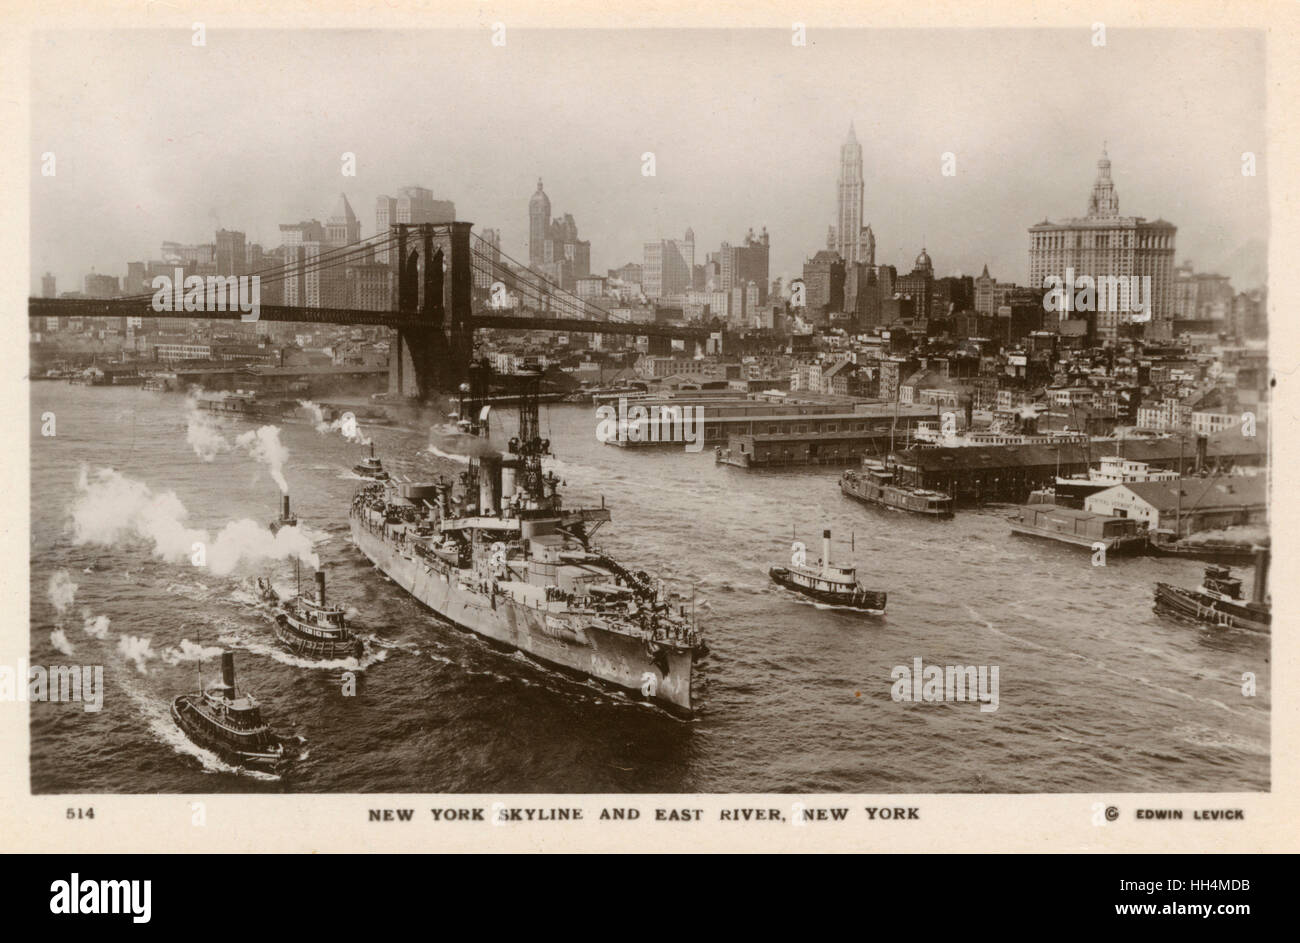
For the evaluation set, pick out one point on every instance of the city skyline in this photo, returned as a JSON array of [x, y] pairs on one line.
[[155, 181]]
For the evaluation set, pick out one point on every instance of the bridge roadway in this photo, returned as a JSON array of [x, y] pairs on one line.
[[137, 308]]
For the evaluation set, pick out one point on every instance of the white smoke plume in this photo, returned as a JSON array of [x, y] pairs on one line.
[[59, 639], [111, 509], [62, 591], [203, 433], [189, 651], [93, 625], [449, 437], [264, 446], [248, 540], [346, 425], [137, 650]]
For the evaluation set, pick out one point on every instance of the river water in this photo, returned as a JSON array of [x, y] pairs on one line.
[[1095, 691]]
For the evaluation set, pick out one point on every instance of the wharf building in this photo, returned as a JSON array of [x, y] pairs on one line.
[[974, 474]]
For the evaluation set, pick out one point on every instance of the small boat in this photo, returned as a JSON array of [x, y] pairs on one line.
[[829, 583], [875, 484], [1218, 601], [309, 627], [221, 719], [371, 467]]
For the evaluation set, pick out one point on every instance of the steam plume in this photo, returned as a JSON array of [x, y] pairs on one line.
[[112, 510]]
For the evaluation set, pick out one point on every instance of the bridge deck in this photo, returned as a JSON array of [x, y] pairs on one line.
[[117, 308]]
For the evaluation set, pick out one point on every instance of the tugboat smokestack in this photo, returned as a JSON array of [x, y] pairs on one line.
[[320, 588], [1259, 591], [826, 550], [285, 513], [228, 670]]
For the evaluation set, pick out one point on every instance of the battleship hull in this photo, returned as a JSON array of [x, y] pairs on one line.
[[645, 669]]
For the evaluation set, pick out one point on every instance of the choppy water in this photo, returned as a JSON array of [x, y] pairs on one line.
[[1096, 692]]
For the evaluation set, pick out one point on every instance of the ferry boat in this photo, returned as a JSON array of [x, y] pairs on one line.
[[829, 583], [221, 719], [875, 484], [243, 404], [1080, 528], [505, 558], [1073, 490], [371, 467], [1218, 600], [309, 627]]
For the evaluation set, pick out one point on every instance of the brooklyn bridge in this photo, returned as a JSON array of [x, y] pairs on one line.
[[435, 309]]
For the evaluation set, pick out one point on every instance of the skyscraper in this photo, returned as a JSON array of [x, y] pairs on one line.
[[740, 265], [484, 276], [1108, 248], [668, 266], [411, 205], [230, 252], [342, 228], [849, 204], [554, 248], [539, 220], [853, 241]]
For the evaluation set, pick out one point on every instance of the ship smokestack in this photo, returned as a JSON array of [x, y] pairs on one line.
[[284, 514], [489, 484], [1259, 591], [507, 483], [320, 588], [826, 550], [1202, 447], [228, 671]]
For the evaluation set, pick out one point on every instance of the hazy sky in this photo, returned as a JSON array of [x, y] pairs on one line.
[[156, 139]]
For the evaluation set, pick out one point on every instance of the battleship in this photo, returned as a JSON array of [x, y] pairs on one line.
[[220, 719], [829, 583], [506, 559]]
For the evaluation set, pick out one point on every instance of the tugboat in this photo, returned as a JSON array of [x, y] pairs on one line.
[[286, 518], [371, 467], [875, 484], [221, 719], [829, 583], [310, 628], [1218, 602]]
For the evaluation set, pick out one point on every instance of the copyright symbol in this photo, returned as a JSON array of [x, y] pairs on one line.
[[1112, 813]]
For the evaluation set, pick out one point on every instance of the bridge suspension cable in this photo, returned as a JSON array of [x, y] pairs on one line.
[[332, 258], [532, 284]]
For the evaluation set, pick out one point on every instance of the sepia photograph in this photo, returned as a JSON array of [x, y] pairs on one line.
[[506, 411]]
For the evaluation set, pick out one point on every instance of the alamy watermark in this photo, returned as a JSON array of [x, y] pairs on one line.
[[1123, 294], [662, 423], [946, 683], [196, 293], [62, 683]]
